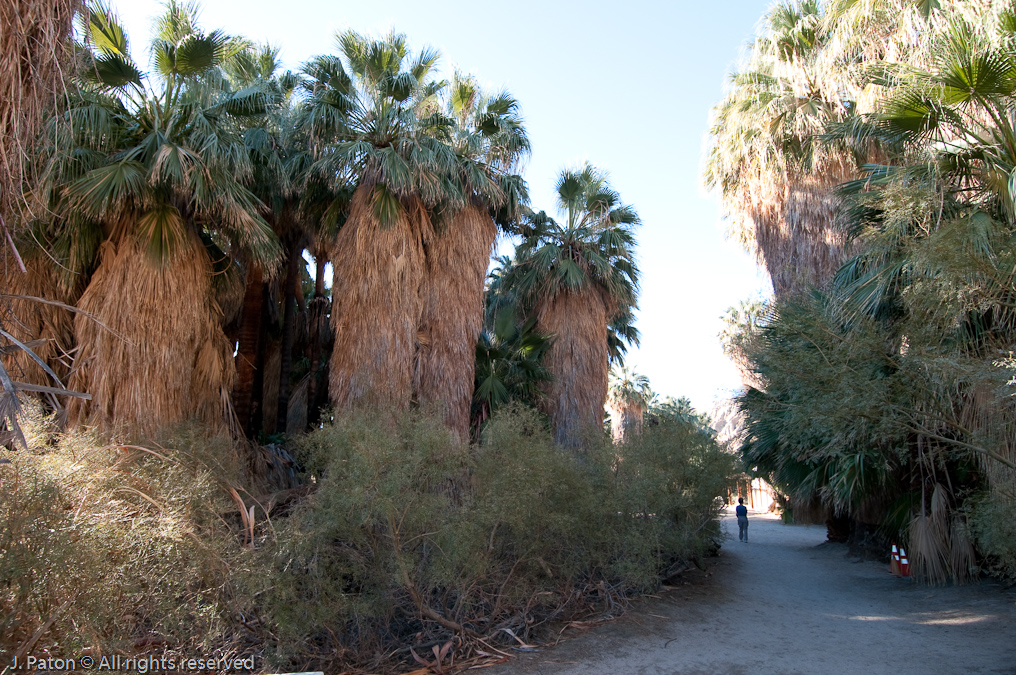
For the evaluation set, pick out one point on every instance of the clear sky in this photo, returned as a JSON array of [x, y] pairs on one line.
[[624, 85]]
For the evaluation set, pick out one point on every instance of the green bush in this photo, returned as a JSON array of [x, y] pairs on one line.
[[994, 529], [410, 533]]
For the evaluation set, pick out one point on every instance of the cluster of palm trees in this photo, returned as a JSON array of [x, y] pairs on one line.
[[179, 204], [865, 152]]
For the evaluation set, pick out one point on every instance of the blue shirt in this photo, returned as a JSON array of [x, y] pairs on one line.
[[741, 511]]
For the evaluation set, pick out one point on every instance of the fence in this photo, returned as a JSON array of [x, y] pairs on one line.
[[757, 494]]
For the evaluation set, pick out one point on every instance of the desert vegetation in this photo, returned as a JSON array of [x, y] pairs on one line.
[[207, 451], [864, 153]]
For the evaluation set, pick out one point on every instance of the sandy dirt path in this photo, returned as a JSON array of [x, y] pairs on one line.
[[788, 603]]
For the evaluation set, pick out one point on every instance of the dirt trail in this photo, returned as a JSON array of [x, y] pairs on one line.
[[788, 603]]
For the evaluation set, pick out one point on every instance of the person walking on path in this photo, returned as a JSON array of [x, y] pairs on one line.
[[742, 520]]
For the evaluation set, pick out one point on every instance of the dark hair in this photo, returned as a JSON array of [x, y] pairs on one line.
[[740, 500]]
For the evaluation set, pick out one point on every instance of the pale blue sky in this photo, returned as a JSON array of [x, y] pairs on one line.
[[626, 86]]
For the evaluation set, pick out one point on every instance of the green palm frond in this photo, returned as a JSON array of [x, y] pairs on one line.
[[106, 190], [155, 164], [595, 248], [162, 230]]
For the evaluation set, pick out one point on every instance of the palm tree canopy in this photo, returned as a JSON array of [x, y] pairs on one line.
[[382, 120], [595, 246], [490, 142], [375, 114], [768, 158], [630, 389], [152, 162]]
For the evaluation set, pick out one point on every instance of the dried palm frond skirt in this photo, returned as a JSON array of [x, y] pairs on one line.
[[452, 294], [377, 272], [577, 360], [152, 353]]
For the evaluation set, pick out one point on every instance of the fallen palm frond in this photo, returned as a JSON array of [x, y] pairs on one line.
[[29, 319], [10, 406]]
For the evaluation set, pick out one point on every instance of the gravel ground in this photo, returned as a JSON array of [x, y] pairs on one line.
[[788, 603]]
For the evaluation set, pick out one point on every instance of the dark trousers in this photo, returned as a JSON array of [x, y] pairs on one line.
[[742, 528]]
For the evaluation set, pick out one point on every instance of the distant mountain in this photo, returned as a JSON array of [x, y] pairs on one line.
[[727, 420]]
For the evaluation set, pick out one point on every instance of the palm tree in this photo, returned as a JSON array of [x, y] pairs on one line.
[[489, 141], [282, 155], [509, 366], [160, 172], [576, 278], [677, 410], [937, 266], [379, 107], [629, 398], [739, 324], [774, 177]]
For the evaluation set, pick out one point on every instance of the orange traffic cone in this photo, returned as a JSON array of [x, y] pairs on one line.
[[894, 562], [904, 563]]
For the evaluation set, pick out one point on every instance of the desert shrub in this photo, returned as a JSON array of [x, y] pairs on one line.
[[412, 537], [37, 553], [346, 561], [669, 479], [407, 537], [115, 547]]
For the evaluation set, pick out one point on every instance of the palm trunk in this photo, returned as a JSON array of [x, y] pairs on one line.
[[318, 316], [153, 352], [625, 420], [36, 50], [376, 308], [292, 288], [578, 362], [457, 261], [29, 320], [248, 348], [796, 240]]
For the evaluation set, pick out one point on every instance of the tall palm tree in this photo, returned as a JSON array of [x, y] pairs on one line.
[[629, 398], [937, 223], [489, 141], [739, 324], [380, 108], [576, 278], [774, 177], [158, 164]]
